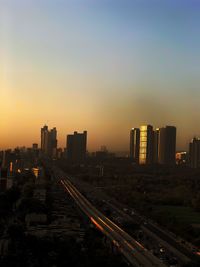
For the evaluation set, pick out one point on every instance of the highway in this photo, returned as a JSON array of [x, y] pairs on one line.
[[161, 236], [171, 244], [132, 250]]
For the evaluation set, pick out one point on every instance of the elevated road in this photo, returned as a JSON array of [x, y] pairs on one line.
[[161, 236], [132, 250]]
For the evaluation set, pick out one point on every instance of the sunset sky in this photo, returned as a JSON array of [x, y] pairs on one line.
[[103, 66]]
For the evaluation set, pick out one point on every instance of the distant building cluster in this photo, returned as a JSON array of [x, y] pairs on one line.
[[149, 146], [76, 145]]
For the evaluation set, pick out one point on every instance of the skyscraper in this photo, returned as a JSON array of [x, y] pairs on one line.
[[44, 139], [52, 143], [146, 144], [49, 141], [170, 145], [156, 136], [194, 153], [155, 146], [76, 146], [134, 144], [167, 145], [161, 145]]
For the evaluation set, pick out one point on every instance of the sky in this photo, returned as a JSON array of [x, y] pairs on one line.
[[103, 66]]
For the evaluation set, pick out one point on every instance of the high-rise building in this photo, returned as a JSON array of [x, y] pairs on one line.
[[49, 141], [44, 139], [52, 143], [155, 146], [156, 136], [194, 153], [161, 145], [170, 145], [146, 145], [76, 147], [134, 144], [166, 144]]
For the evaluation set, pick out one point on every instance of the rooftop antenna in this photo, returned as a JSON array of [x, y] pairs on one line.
[[46, 123]]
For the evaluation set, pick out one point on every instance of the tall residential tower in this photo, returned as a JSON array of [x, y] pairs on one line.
[[76, 147], [146, 144], [49, 141], [194, 153], [134, 144], [153, 146]]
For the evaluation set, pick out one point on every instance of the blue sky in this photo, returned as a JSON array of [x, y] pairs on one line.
[[100, 65]]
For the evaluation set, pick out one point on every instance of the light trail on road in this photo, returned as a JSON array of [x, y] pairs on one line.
[[132, 250]]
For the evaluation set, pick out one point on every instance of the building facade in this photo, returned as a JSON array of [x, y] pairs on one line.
[[76, 147], [135, 144], [194, 153], [146, 144], [170, 145], [44, 139], [49, 141]]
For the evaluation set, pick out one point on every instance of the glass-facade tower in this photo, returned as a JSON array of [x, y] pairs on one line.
[[146, 144]]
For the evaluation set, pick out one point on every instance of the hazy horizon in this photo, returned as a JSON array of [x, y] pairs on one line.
[[103, 66]]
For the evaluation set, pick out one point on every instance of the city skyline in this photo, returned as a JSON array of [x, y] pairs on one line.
[[103, 66], [38, 141]]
